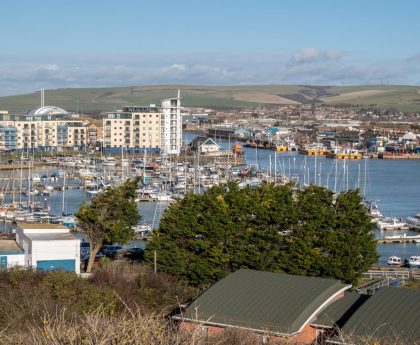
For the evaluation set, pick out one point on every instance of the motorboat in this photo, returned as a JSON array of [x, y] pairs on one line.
[[36, 178], [108, 162], [390, 224], [374, 210], [394, 261], [142, 229], [414, 221], [414, 261]]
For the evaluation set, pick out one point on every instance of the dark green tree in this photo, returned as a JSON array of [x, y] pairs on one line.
[[350, 248], [308, 231], [109, 217]]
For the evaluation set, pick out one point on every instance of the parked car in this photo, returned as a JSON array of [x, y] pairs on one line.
[[112, 250], [134, 253], [98, 256]]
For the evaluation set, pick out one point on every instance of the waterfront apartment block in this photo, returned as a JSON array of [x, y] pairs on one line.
[[43, 128], [171, 138], [132, 128], [151, 128]]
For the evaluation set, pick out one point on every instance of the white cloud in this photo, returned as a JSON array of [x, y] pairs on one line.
[[307, 66], [311, 55]]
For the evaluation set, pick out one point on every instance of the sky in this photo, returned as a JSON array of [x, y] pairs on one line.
[[100, 43]]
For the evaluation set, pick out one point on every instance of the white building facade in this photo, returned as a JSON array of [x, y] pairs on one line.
[[44, 128], [11, 254], [171, 127], [152, 128], [49, 247], [136, 127]]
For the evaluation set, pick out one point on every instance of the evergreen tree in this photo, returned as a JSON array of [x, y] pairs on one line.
[[203, 237], [109, 217]]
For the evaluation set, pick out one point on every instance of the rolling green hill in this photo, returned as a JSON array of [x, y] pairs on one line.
[[404, 98]]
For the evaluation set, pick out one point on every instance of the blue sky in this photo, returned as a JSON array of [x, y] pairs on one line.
[[100, 43]]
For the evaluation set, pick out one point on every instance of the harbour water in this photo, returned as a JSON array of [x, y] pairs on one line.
[[395, 185]]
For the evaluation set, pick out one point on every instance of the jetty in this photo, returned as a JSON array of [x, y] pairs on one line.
[[399, 239], [379, 272]]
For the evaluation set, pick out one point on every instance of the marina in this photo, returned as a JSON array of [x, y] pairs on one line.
[[51, 190]]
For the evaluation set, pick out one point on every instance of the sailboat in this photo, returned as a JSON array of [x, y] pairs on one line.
[[66, 219]]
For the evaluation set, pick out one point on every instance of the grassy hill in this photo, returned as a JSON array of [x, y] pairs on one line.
[[404, 98]]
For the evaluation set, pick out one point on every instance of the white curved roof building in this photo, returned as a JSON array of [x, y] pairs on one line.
[[47, 110]]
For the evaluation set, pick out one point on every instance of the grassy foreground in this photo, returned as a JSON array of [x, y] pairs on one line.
[[121, 304]]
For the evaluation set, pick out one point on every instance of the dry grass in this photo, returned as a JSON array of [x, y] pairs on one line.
[[347, 96], [261, 97]]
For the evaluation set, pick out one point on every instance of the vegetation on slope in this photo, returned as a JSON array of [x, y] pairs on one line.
[[95, 100]]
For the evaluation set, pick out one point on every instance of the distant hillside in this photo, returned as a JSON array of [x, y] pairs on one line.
[[404, 98]]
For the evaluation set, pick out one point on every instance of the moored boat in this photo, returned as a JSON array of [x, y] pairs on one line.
[[414, 221], [313, 150], [395, 261], [391, 224], [414, 261], [339, 153]]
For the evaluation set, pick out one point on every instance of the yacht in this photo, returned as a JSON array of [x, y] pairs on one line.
[[374, 210], [108, 162], [414, 261], [394, 261], [390, 224], [414, 221], [36, 178], [143, 229]]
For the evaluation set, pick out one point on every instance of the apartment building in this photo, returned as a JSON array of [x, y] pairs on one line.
[[133, 128], [42, 128], [151, 128], [171, 125]]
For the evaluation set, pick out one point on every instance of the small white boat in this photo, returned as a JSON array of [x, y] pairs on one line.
[[92, 192], [394, 261], [414, 261], [109, 162], [36, 178], [414, 221], [390, 224], [143, 229]]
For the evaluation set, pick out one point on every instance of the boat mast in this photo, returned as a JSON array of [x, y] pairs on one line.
[[64, 191], [275, 167], [335, 176]]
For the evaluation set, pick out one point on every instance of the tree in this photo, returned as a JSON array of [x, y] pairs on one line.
[[109, 217], [307, 231]]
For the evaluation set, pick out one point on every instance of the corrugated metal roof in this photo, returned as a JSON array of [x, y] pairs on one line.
[[52, 237], [391, 313], [10, 247], [270, 302], [338, 313], [41, 226]]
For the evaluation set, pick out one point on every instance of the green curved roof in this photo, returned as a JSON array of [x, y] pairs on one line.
[[263, 301], [391, 313]]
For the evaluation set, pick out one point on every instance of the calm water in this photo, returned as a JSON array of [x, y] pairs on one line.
[[395, 185]]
